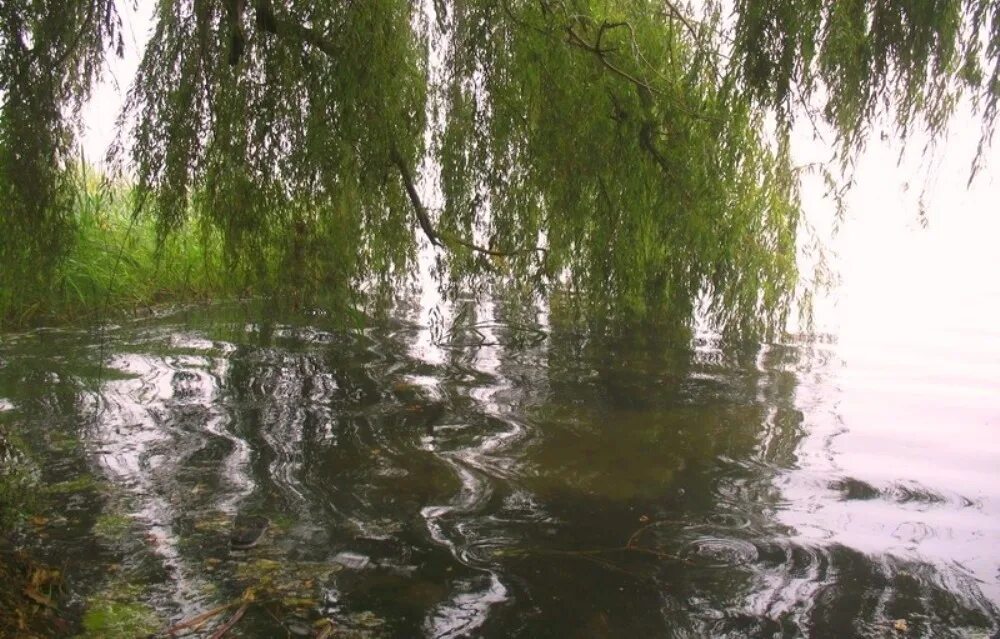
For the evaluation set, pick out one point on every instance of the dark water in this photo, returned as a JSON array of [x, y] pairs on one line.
[[503, 480]]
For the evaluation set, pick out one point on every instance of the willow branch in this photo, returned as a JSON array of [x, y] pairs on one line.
[[418, 206], [521, 22], [269, 22], [677, 13], [438, 239], [645, 89], [305, 34], [577, 41]]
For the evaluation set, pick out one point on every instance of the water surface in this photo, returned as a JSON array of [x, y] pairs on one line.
[[508, 479]]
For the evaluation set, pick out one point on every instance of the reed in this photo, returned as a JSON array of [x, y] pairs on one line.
[[116, 262]]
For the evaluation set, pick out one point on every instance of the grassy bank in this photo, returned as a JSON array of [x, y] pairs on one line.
[[115, 263]]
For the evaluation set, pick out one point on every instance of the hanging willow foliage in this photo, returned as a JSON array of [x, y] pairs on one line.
[[50, 54], [618, 156], [860, 59]]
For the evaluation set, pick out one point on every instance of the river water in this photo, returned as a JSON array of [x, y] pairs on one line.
[[506, 478], [509, 479]]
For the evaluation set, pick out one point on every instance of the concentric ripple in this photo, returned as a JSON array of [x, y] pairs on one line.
[[719, 552]]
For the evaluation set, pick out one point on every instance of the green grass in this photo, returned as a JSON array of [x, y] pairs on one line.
[[115, 264]]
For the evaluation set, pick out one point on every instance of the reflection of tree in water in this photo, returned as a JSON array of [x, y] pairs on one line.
[[511, 485], [584, 486], [679, 457], [342, 427], [48, 382], [643, 462]]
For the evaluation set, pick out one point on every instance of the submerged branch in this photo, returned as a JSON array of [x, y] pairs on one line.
[[226, 627], [196, 622]]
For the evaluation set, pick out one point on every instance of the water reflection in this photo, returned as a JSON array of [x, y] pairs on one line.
[[496, 479]]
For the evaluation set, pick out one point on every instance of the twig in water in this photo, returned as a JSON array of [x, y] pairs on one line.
[[196, 622], [226, 627]]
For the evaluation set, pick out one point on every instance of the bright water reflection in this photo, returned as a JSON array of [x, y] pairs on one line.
[[501, 481]]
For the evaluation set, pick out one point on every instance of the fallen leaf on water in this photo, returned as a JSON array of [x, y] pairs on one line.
[[900, 625], [38, 520]]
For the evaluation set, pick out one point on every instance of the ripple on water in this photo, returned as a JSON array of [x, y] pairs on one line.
[[902, 492], [913, 532], [734, 521], [798, 561], [720, 552]]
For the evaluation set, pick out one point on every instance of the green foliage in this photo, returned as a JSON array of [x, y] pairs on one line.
[[50, 54], [598, 126], [293, 141], [859, 59], [618, 157], [114, 262]]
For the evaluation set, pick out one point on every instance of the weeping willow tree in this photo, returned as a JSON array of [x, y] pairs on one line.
[[627, 158], [50, 54]]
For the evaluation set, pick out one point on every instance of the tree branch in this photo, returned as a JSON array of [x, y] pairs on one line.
[[304, 34], [438, 239], [677, 13], [418, 206], [577, 41], [269, 22]]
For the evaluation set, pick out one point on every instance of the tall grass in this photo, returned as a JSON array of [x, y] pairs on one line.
[[116, 264]]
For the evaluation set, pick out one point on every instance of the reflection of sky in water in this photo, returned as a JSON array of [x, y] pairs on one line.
[[143, 442], [910, 414]]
